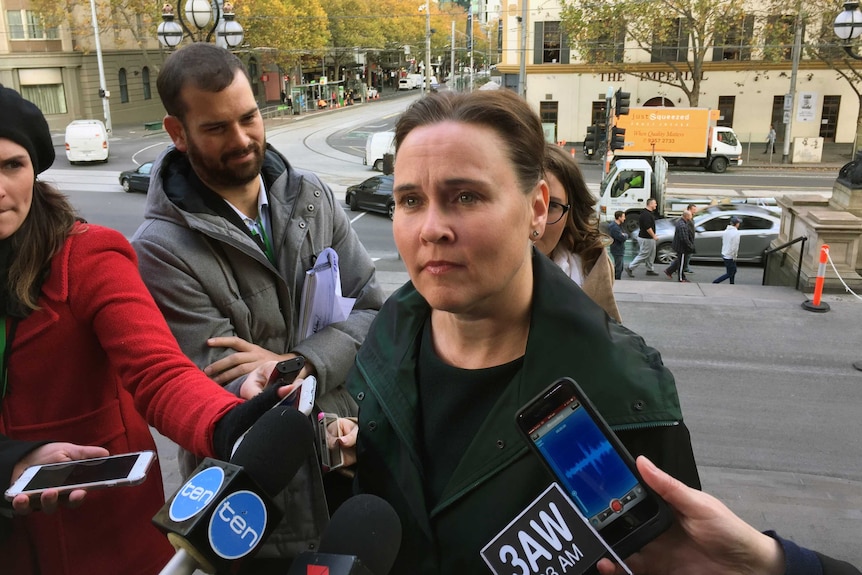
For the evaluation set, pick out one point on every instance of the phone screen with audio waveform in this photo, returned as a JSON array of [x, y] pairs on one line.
[[595, 477]]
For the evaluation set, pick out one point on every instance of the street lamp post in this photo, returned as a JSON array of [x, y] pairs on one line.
[[227, 31], [848, 27]]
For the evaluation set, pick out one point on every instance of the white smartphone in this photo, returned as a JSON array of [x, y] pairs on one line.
[[97, 473], [301, 398]]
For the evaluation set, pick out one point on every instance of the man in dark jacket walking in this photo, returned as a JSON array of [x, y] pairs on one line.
[[619, 237], [683, 245]]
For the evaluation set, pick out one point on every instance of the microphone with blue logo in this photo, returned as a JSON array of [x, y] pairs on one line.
[[224, 512], [362, 538]]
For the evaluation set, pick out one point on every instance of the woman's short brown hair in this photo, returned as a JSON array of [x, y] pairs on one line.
[[502, 111]]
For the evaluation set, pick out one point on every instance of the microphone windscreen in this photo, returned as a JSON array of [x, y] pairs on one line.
[[275, 448], [368, 527]]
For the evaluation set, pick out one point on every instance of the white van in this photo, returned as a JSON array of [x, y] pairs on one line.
[[406, 84], [378, 144], [86, 141]]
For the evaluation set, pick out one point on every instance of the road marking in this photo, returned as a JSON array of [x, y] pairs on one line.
[[357, 217]]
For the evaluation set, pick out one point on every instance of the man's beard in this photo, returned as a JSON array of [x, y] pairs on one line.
[[216, 173]]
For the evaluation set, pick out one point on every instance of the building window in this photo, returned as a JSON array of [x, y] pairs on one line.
[[124, 86], [549, 112], [27, 25], [734, 41], [778, 37], [50, 98], [725, 110], [609, 47], [550, 44], [145, 79], [670, 42]]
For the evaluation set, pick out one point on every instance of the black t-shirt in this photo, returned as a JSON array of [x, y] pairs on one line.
[[646, 221], [453, 402]]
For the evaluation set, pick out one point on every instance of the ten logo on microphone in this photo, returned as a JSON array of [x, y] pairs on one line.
[[237, 525], [196, 494]]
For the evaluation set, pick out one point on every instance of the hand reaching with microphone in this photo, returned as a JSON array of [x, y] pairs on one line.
[[52, 453]]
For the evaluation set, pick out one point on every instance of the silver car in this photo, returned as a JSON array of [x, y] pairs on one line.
[[757, 230]]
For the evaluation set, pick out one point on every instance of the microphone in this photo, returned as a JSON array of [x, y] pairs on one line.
[[362, 538], [224, 512]]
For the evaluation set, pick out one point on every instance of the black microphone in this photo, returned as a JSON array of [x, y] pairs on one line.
[[224, 512], [363, 538]]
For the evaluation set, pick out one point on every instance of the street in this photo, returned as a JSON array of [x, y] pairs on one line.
[[767, 388]]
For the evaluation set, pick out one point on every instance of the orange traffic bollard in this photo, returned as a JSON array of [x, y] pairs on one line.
[[815, 304]]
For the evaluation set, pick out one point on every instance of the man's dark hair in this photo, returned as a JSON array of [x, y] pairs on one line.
[[690, 206], [618, 214], [201, 65]]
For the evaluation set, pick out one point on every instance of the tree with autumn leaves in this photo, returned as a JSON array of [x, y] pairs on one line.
[[284, 32]]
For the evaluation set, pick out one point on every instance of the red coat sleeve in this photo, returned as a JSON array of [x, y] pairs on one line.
[[170, 392]]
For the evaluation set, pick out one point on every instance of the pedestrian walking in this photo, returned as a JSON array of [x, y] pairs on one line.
[[646, 241], [770, 140], [683, 245], [692, 209], [729, 250], [618, 248]]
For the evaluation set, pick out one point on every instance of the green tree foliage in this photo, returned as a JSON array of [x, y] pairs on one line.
[[678, 35], [819, 42], [290, 28]]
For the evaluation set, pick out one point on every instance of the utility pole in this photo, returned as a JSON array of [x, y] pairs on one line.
[[452, 57], [103, 88], [522, 72], [427, 83], [795, 56]]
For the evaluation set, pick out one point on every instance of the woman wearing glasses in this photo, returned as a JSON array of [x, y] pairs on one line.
[[571, 236]]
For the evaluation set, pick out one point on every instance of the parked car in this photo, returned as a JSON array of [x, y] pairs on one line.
[[758, 228], [373, 195], [137, 180], [87, 141]]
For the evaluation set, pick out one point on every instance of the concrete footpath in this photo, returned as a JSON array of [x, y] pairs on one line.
[[769, 395]]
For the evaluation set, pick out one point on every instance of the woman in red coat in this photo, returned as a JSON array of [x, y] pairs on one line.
[[87, 358]]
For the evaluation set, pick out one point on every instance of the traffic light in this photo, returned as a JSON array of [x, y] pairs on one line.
[[618, 138], [591, 140], [623, 100]]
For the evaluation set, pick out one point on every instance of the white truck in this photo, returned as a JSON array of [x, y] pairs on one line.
[[681, 136], [377, 145], [632, 181]]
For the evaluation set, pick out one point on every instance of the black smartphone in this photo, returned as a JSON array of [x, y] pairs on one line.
[[286, 371], [593, 467]]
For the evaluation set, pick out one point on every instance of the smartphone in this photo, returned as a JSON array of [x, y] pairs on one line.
[[100, 472], [593, 467], [286, 371], [302, 397], [328, 432]]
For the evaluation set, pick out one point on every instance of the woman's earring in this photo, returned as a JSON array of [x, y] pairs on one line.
[[535, 233]]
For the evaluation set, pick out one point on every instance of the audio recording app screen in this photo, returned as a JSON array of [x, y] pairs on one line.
[[586, 464]]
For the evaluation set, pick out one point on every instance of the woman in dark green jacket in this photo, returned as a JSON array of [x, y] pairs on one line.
[[484, 325]]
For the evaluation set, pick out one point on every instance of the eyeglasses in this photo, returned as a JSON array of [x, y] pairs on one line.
[[556, 211]]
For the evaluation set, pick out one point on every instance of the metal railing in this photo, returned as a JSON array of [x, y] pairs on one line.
[[767, 253]]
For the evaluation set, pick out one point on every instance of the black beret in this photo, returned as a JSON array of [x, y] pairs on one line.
[[23, 123]]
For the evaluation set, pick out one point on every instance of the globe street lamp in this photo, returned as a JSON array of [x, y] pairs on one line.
[[200, 13], [848, 27]]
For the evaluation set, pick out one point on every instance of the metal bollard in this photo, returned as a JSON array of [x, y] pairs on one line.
[[816, 304]]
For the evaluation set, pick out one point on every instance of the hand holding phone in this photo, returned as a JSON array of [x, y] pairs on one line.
[[97, 473], [593, 467], [328, 435]]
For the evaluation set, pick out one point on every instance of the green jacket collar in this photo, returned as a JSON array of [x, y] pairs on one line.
[[570, 336]]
